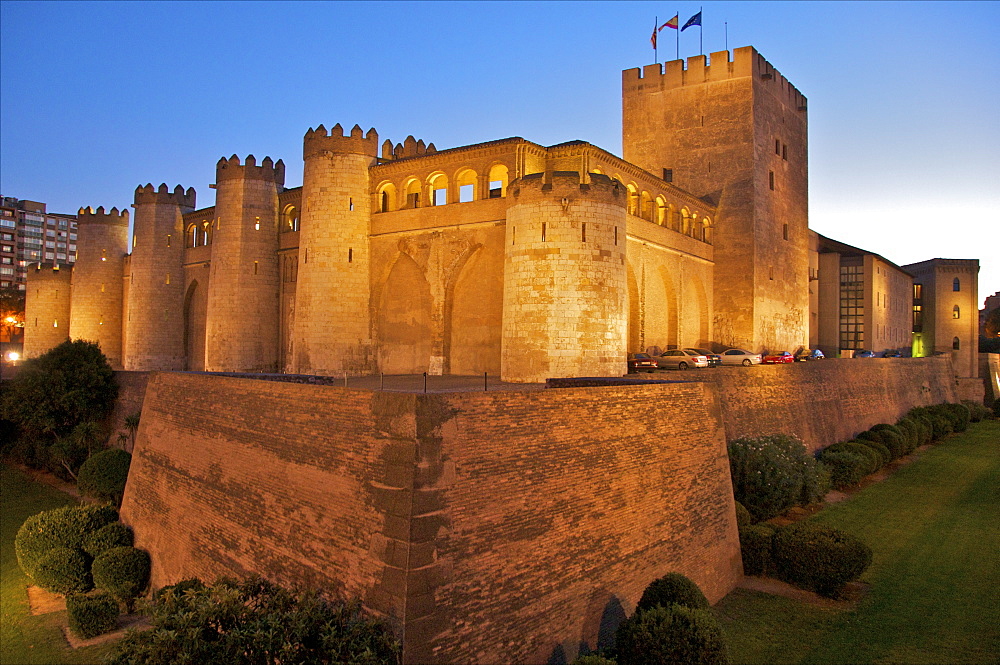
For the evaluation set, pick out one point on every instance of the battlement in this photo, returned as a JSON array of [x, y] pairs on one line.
[[232, 169], [408, 148], [567, 185], [148, 194], [719, 66], [89, 215], [317, 141], [50, 272]]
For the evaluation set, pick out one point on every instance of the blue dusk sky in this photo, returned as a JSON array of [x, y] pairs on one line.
[[904, 97]]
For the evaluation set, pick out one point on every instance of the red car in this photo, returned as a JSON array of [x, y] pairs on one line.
[[778, 358], [641, 362]]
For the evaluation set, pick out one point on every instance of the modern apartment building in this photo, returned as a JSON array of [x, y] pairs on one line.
[[30, 234]]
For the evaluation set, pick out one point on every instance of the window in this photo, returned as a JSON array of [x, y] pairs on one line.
[[777, 147], [956, 344], [668, 175], [956, 285], [918, 291], [784, 231], [956, 313], [784, 152], [770, 180]]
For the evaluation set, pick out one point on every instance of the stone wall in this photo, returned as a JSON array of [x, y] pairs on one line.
[[489, 527], [131, 395]]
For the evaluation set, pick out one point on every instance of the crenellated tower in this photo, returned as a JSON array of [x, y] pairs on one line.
[[96, 313], [332, 331], [735, 133], [242, 325], [565, 294], [154, 326], [46, 308]]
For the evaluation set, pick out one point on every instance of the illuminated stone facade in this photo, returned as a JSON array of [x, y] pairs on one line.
[[946, 293]]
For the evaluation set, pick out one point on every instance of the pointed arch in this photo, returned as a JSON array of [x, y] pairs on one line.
[[195, 326], [404, 319], [634, 335], [474, 312]]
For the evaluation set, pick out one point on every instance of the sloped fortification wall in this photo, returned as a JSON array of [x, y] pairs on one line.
[[830, 400], [491, 527]]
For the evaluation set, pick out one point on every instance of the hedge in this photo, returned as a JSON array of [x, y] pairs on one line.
[[846, 469], [771, 474], [818, 558], [743, 518], [873, 458], [108, 536], [755, 548], [63, 570], [880, 448], [977, 411], [68, 527], [669, 636], [123, 572], [93, 614], [103, 476], [672, 588]]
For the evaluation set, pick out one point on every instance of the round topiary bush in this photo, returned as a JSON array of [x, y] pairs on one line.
[[893, 442], [103, 476], [846, 469], [880, 449], [123, 572], [743, 518], [755, 548], [872, 457], [63, 570], [107, 537], [593, 659], [62, 527], [977, 411], [818, 558], [92, 614], [911, 431], [959, 414], [672, 588], [773, 473], [670, 635]]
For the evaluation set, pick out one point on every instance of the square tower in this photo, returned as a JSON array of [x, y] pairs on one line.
[[734, 132]]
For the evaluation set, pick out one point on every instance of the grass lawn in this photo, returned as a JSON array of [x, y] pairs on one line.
[[934, 527], [25, 638]]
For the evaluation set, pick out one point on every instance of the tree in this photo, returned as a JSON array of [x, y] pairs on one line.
[[993, 323], [52, 394], [254, 621], [11, 312]]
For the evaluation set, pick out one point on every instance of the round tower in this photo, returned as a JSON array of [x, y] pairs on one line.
[[154, 326], [332, 332], [96, 313], [565, 289], [243, 321], [46, 308]]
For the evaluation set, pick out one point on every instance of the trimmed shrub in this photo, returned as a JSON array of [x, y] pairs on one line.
[[123, 572], [672, 589], [670, 635], [911, 430], [63, 570], [846, 469], [897, 441], [593, 659], [977, 411], [107, 537], [893, 441], [92, 614], [880, 448], [180, 588], [872, 457], [755, 547], [103, 476], [959, 415], [68, 527], [743, 518], [940, 421], [818, 558], [774, 473]]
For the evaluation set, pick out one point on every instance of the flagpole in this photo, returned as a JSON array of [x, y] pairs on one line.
[[701, 31], [677, 48], [727, 37], [656, 24]]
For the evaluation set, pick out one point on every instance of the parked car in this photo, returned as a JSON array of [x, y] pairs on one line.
[[778, 358], [680, 359], [740, 357], [864, 354], [802, 355], [641, 362], [713, 358], [892, 353]]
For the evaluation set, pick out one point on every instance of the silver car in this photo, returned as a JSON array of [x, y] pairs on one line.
[[740, 357], [680, 359]]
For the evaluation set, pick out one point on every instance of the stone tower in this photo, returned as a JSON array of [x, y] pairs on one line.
[[242, 323], [96, 314], [734, 132], [46, 308], [565, 286], [332, 332], [154, 326]]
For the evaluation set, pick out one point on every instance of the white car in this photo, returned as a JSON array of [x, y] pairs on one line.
[[680, 359], [740, 357]]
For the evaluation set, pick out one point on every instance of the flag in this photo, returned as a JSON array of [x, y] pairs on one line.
[[672, 23], [694, 20], [652, 40]]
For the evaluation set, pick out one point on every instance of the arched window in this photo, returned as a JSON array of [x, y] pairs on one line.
[[646, 209], [438, 189], [412, 193], [386, 198], [956, 344], [291, 219], [661, 211], [685, 221], [956, 285], [466, 183], [192, 235], [707, 229], [498, 181], [956, 313], [205, 226], [633, 200]]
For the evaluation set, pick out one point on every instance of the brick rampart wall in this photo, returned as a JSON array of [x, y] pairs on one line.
[[495, 527], [830, 400], [131, 394]]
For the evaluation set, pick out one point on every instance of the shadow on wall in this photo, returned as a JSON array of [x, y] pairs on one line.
[[605, 613]]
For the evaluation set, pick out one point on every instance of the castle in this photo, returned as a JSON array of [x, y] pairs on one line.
[[505, 257]]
